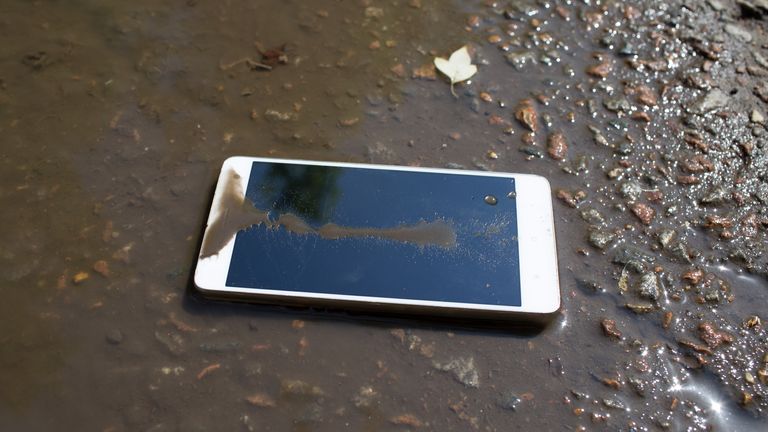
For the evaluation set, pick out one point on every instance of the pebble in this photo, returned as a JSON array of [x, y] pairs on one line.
[[757, 117], [526, 115], [463, 370], [220, 347], [532, 150], [80, 277], [592, 216], [261, 400], [644, 212], [557, 147], [714, 100], [101, 267], [365, 397], [601, 239], [617, 104], [630, 189], [600, 70], [300, 388], [609, 328], [114, 336], [509, 400], [739, 32], [648, 286], [520, 59], [172, 340]]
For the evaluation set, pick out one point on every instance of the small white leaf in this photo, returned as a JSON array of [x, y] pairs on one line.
[[458, 67]]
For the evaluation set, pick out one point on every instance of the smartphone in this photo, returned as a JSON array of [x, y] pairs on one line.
[[375, 238]]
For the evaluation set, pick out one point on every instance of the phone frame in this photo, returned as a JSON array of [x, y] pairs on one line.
[[539, 276]]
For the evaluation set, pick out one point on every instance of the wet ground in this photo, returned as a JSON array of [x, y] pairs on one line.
[[647, 117]]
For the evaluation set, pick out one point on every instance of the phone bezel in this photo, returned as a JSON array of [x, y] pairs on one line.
[[539, 278]]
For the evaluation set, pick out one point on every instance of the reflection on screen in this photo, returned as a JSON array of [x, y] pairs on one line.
[[379, 233]]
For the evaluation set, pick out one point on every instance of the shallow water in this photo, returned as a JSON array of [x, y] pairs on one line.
[[115, 118]]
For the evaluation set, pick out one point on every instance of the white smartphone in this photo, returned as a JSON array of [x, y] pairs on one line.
[[378, 238]]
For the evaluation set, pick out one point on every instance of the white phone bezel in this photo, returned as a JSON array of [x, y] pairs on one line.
[[539, 281]]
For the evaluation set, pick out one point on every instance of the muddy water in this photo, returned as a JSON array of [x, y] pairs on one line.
[[115, 118]]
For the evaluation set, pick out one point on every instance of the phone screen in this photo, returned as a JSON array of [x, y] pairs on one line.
[[380, 233]]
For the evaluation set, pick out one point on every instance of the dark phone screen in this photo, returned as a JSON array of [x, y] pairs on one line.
[[380, 233]]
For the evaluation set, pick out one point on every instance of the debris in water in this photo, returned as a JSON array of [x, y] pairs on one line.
[[207, 370], [490, 200]]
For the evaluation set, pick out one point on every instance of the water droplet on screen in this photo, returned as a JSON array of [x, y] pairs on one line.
[[512, 195], [490, 200]]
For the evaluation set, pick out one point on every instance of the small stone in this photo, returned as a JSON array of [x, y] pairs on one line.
[[557, 147], [714, 100], [374, 12], [220, 347], [80, 277], [666, 237], [365, 397], [632, 257], [738, 32], [532, 150], [644, 212], [526, 115], [757, 117], [693, 276], [648, 286], [640, 308], [609, 328], [592, 216], [638, 385], [349, 122], [425, 72], [716, 195], [601, 239], [398, 70], [463, 369], [646, 96], [617, 104], [261, 400], [510, 401], [520, 59], [600, 70], [614, 403], [630, 190], [300, 388], [114, 336], [712, 337], [712, 296], [406, 420], [101, 267]]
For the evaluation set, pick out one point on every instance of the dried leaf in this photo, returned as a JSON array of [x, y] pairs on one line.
[[458, 67]]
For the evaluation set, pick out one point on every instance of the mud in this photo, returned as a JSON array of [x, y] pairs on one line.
[[115, 118]]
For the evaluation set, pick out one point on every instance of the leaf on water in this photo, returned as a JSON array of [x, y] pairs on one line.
[[458, 67]]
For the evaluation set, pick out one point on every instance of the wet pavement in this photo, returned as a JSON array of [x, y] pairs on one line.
[[648, 118]]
